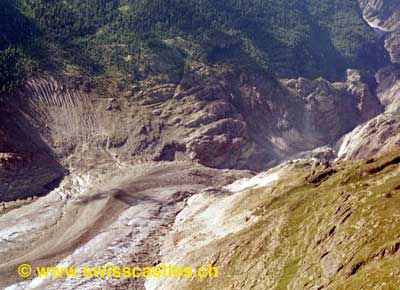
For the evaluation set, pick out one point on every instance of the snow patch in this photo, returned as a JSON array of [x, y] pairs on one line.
[[258, 181], [209, 217]]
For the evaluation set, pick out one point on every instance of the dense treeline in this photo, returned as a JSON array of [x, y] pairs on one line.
[[289, 37], [17, 43]]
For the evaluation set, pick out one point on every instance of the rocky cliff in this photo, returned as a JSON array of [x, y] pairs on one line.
[[215, 115], [380, 133], [164, 164], [28, 166], [388, 90], [384, 15], [372, 138]]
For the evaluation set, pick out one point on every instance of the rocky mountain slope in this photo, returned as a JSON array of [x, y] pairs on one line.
[[266, 231], [382, 13], [382, 132], [215, 115], [28, 166], [385, 16], [129, 136], [374, 137], [301, 226], [388, 90]]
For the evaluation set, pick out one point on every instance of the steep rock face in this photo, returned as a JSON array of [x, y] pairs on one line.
[[385, 15], [392, 45], [352, 101], [217, 116], [27, 165], [375, 136], [381, 133], [388, 90]]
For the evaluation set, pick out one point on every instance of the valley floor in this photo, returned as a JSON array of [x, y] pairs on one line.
[[302, 225]]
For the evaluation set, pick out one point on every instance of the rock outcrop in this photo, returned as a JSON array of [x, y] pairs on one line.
[[218, 116], [382, 14], [27, 165], [374, 137], [388, 90], [385, 16], [164, 171], [382, 132], [392, 45], [215, 115]]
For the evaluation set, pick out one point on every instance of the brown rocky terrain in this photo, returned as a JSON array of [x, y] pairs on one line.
[[382, 132], [216, 116], [28, 166], [382, 13], [374, 137], [385, 16], [388, 90], [94, 171]]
